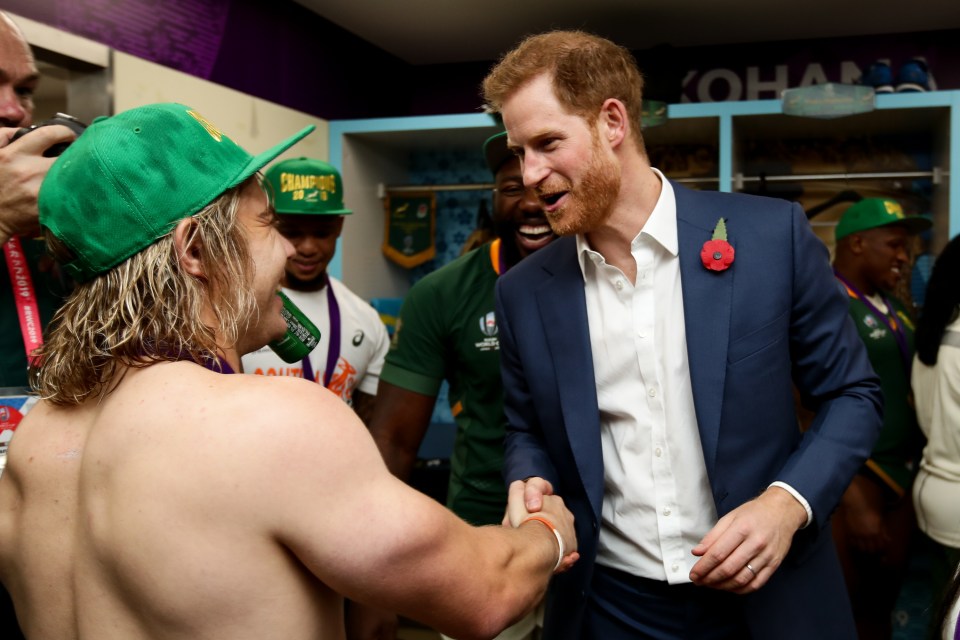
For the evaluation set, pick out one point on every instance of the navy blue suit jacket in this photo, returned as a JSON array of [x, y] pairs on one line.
[[774, 318]]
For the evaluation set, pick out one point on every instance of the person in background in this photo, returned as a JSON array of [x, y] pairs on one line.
[[648, 356], [447, 330], [152, 495], [22, 168], [936, 388], [308, 197], [873, 525]]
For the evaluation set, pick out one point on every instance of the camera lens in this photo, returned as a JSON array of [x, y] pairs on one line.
[[60, 118]]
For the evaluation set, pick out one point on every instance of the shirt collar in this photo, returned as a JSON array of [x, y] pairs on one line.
[[661, 226]]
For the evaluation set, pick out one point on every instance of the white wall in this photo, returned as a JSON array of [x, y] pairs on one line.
[[365, 270], [253, 123]]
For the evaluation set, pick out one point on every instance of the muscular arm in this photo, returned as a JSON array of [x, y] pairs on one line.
[[377, 541], [398, 425]]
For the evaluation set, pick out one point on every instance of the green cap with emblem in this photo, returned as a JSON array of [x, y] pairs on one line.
[[871, 213], [306, 186], [128, 179]]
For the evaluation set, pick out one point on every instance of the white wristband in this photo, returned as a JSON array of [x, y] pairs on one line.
[[556, 533]]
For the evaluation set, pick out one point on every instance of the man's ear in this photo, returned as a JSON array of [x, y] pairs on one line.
[[188, 247], [613, 121], [856, 243]]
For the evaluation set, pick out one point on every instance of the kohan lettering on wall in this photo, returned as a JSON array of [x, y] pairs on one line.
[[762, 82]]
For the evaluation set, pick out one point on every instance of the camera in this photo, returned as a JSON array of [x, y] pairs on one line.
[[61, 118]]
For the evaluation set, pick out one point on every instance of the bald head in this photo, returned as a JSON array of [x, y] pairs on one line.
[[18, 76]]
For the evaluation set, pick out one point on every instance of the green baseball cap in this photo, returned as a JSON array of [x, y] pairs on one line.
[[496, 152], [871, 213], [128, 179], [306, 186]]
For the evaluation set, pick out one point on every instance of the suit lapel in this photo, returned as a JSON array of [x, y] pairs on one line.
[[563, 314], [707, 299]]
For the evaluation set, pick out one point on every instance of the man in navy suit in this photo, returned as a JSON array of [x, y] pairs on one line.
[[649, 358]]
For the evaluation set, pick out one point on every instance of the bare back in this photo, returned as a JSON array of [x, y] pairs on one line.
[[189, 504], [130, 518]]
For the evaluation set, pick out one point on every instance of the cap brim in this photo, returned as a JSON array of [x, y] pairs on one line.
[[261, 160], [496, 152], [913, 224]]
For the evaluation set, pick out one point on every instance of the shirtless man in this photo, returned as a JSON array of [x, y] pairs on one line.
[[22, 167], [150, 496]]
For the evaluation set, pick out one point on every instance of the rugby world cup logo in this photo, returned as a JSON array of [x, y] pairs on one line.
[[488, 324]]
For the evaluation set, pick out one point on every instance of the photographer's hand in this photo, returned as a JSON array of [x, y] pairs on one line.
[[22, 168]]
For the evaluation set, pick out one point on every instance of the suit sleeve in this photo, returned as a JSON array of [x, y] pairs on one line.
[[525, 451], [834, 378]]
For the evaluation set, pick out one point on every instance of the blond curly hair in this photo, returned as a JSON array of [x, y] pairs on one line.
[[148, 309]]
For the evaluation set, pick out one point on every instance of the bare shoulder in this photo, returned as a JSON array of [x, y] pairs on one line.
[[185, 382], [253, 437], [242, 414]]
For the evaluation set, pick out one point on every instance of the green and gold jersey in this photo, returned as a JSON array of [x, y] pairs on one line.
[[447, 330]]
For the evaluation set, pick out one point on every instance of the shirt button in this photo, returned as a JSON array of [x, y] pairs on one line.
[[652, 392], [666, 511], [657, 452], [675, 568], [619, 285]]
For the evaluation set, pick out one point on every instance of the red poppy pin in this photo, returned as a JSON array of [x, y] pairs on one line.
[[717, 253]]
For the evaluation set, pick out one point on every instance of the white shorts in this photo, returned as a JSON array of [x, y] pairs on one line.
[[937, 507]]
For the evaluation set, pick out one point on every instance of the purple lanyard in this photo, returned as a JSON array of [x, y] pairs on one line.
[[218, 366], [896, 327], [333, 351]]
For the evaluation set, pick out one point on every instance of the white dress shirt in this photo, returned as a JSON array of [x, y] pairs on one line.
[[657, 500]]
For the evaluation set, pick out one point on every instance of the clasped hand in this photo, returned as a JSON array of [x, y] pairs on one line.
[[536, 496]]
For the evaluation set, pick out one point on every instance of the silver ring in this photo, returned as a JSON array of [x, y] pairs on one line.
[[751, 569]]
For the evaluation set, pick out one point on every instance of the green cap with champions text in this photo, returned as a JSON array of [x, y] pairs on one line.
[[871, 213], [306, 186], [128, 179]]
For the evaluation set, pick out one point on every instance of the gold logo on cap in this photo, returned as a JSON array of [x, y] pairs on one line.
[[215, 133], [297, 182], [893, 208]]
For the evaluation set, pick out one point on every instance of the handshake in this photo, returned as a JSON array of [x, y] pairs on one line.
[[531, 502]]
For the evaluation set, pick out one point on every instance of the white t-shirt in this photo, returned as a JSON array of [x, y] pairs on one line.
[[936, 392], [363, 343]]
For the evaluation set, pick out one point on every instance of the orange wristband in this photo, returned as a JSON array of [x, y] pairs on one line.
[[552, 528]]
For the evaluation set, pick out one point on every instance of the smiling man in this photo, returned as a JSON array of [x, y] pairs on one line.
[[874, 521], [448, 330], [308, 198], [649, 356]]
